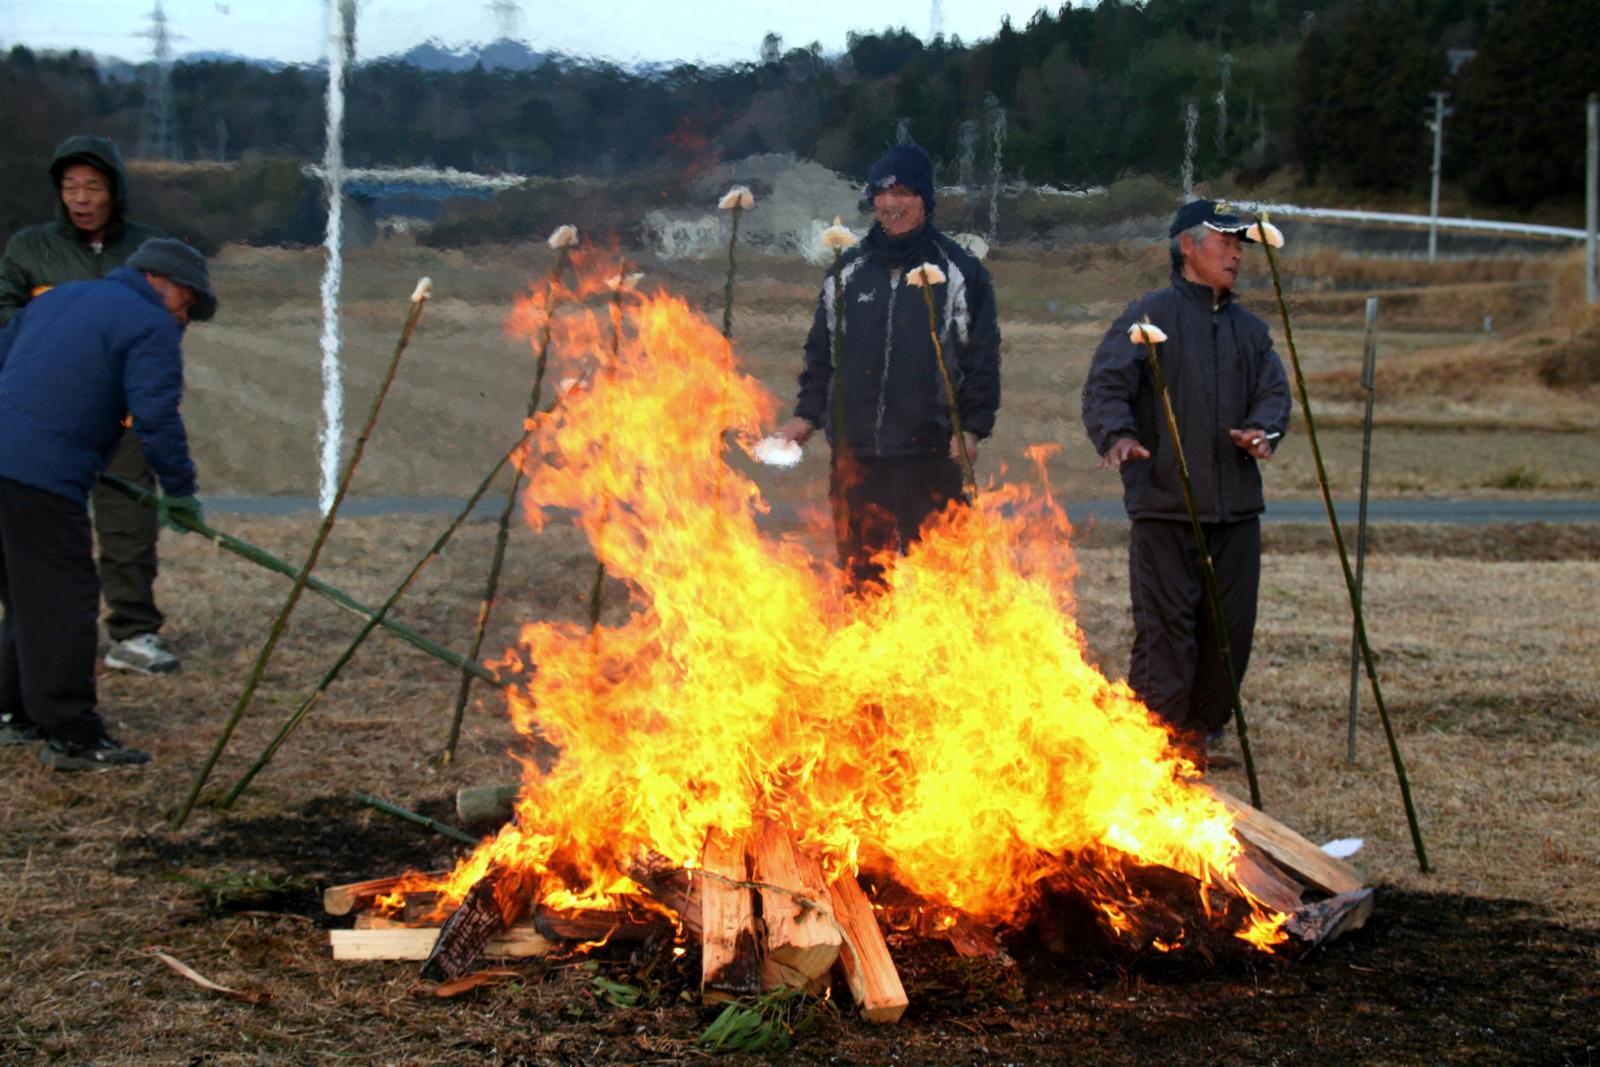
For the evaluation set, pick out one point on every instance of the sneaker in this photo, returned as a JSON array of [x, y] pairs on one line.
[[15, 732], [104, 753], [144, 653]]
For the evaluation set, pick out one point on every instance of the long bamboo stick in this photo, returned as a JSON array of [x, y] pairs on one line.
[[262, 558], [332, 674], [410, 816], [419, 300], [502, 535], [1217, 618], [927, 284], [1344, 559]]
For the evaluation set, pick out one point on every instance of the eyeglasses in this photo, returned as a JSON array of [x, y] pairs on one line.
[[893, 214]]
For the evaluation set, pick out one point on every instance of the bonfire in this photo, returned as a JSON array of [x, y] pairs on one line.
[[771, 765]]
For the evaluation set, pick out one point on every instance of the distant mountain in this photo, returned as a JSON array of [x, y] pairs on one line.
[[504, 54]]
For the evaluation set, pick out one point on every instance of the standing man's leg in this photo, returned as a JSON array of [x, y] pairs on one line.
[[127, 533], [1167, 591], [921, 487], [52, 601], [1236, 558]]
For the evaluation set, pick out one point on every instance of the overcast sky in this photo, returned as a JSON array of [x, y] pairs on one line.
[[625, 30]]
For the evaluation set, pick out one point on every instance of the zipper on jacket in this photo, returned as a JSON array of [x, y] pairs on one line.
[[1216, 416], [888, 349]]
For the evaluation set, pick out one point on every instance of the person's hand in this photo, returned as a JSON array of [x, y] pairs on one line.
[[1257, 443], [972, 448], [1124, 449], [797, 430], [171, 509]]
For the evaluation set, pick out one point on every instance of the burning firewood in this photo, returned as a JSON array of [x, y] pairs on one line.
[[802, 938], [871, 974], [498, 899], [732, 948]]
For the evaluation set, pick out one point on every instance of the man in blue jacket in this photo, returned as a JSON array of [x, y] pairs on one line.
[[74, 363], [1231, 398], [895, 459]]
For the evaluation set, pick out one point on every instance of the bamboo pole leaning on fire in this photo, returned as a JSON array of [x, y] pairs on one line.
[[927, 276], [372, 624], [562, 240], [1150, 335], [266, 560], [419, 300], [442, 828], [1270, 239], [623, 282]]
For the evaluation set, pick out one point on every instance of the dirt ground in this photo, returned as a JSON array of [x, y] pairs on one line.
[[1486, 638]]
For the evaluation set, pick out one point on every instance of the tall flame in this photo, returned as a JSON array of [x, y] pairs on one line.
[[949, 730]]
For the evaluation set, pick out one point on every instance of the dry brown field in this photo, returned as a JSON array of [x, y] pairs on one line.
[[1486, 638]]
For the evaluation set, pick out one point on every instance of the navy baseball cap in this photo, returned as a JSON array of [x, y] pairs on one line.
[[1209, 213]]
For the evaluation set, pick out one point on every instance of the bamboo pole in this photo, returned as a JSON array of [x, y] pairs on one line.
[[1369, 382], [927, 284], [608, 374], [1217, 618], [1344, 560], [503, 527], [262, 558], [727, 289], [419, 300], [410, 816], [332, 674]]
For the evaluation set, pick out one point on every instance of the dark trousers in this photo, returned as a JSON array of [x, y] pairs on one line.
[[51, 596], [1177, 667], [126, 531], [880, 505]]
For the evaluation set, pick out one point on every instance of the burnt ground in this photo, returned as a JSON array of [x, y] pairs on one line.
[[1432, 978]]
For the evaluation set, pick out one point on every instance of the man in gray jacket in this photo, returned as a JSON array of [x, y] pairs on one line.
[[1231, 398]]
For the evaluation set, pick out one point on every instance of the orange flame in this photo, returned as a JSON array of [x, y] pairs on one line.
[[949, 731]]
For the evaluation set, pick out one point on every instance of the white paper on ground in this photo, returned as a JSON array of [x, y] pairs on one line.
[[1343, 848], [778, 452]]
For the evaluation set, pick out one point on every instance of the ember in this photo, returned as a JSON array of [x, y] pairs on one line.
[[947, 735]]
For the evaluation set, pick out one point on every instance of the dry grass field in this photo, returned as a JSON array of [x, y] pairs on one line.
[[1486, 636]]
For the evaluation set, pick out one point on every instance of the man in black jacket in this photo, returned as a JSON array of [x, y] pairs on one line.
[[1231, 398], [89, 237], [895, 458]]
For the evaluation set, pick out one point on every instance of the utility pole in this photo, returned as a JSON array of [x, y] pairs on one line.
[[1592, 199], [1437, 125]]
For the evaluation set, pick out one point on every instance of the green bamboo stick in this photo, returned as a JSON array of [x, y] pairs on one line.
[[332, 674], [262, 558], [410, 816], [734, 200], [1206, 569], [503, 528], [1344, 558], [419, 300], [949, 383], [609, 375]]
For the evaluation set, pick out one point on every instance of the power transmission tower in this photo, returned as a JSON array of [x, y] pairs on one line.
[[158, 137], [936, 22], [507, 19]]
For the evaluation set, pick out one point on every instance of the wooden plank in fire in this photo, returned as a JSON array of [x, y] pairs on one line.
[[1289, 850], [1327, 919], [868, 969], [396, 942], [670, 886], [731, 946], [594, 926], [802, 939]]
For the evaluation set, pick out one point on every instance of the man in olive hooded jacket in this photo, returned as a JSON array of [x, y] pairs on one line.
[[89, 237]]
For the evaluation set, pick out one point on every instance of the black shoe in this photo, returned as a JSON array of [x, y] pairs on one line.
[[102, 754], [14, 731]]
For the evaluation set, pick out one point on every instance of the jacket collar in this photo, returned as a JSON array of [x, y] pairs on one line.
[[912, 250], [1202, 293]]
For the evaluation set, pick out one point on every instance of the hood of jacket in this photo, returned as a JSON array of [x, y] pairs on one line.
[[101, 154]]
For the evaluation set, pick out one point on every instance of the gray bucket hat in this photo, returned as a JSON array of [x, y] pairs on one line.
[[181, 264]]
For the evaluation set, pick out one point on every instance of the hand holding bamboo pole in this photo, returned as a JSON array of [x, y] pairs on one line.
[[926, 277]]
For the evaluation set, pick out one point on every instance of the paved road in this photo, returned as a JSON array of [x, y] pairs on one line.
[[1468, 512]]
